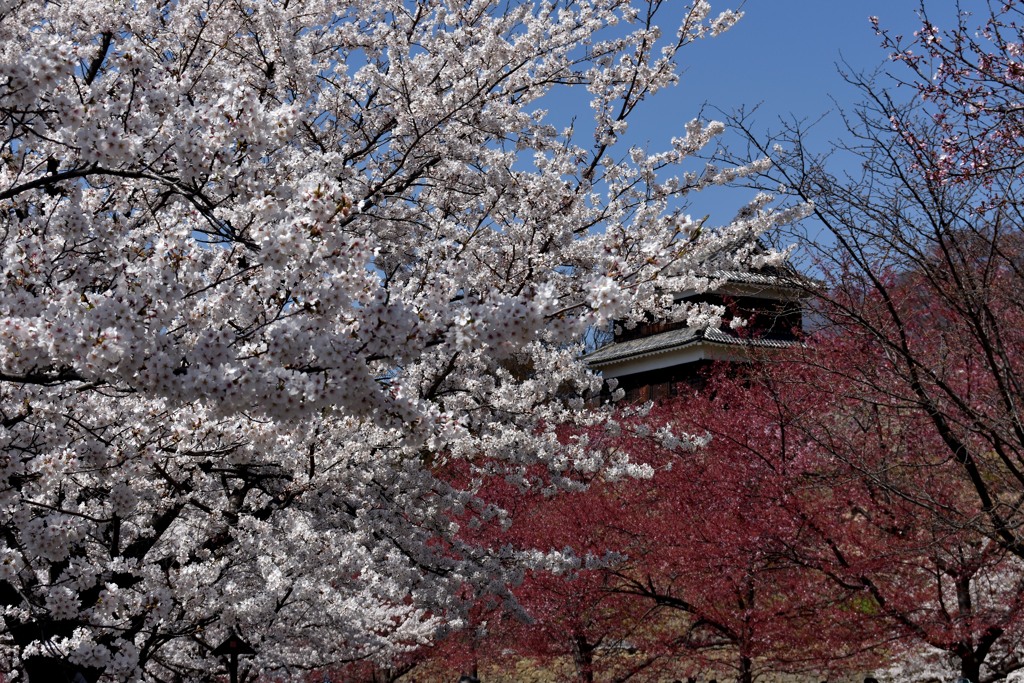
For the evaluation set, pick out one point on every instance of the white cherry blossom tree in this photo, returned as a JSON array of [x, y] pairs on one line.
[[271, 270]]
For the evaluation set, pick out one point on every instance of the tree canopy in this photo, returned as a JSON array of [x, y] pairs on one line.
[[268, 267]]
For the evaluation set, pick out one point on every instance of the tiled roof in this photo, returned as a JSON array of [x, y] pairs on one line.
[[672, 340], [784, 278]]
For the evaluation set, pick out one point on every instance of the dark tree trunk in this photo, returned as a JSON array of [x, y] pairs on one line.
[[583, 654], [49, 670], [746, 670], [970, 668]]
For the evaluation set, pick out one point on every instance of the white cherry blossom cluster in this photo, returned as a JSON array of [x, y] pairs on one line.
[[283, 283]]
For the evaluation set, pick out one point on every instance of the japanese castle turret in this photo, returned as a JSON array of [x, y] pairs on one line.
[[656, 360]]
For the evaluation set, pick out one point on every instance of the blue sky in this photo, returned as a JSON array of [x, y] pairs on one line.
[[784, 53], [782, 57]]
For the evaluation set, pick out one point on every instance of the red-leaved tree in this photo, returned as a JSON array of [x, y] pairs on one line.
[[804, 535], [568, 615], [920, 252], [715, 539]]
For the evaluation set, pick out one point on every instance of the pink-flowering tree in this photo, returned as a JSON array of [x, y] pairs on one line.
[[921, 266], [869, 474], [573, 618], [920, 250], [713, 539], [688, 571], [266, 267], [970, 79], [799, 539]]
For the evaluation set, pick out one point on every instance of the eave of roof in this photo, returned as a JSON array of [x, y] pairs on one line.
[[673, 340]]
